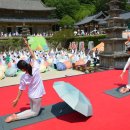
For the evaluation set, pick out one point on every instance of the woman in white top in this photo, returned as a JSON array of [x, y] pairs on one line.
[[32, 79], [127, 88]]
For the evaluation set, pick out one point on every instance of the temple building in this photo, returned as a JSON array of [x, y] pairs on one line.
[[14, 14], [99, 21], [90, 23]]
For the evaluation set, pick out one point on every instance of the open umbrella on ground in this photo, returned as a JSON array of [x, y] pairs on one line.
[[73, 97], [38, 43]]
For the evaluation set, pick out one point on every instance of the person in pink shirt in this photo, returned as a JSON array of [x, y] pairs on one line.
[[32, 79]]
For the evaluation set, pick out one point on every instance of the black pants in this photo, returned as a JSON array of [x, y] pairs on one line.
[[55, 67]]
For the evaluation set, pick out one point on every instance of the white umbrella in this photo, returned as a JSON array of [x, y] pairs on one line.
[[73, 97]]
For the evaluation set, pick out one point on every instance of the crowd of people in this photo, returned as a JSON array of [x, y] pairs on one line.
[[16, 34], [57, 59], [81, 32]]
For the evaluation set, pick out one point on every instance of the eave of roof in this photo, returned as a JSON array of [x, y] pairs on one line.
[[12, 20], [125, 16]]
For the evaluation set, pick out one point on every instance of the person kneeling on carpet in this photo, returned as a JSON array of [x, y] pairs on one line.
[[127, 87], [32, 79]]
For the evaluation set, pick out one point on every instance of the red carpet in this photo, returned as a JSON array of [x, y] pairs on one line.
[[109, 113]]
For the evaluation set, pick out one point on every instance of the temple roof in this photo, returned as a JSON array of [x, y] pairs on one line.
[[90, 18], [125, 16], [24, 5], [27, 20]]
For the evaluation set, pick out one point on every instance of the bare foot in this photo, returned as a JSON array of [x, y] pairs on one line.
[[11, 118]]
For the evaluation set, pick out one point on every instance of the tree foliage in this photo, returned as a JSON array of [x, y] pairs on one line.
[[86, 1], [10, 44], [78, 9], [60, 38], [69, 7], [85, 10], [101, 5], [67, 21]]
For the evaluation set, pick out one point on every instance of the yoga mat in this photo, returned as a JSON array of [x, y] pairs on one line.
[[115, 92], [46, 113]]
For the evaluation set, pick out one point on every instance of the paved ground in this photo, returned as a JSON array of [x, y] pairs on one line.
[[51, 74]]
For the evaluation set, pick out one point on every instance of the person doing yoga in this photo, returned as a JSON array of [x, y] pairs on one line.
[[32, 79]]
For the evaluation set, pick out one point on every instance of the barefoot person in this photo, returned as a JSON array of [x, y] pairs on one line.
[[32, 79], [127, 88]]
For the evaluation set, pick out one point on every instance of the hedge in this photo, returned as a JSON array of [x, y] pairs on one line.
[[16, 42]]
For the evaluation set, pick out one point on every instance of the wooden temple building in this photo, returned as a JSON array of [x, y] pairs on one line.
[[90, 23], [99, 21], [14, 14]]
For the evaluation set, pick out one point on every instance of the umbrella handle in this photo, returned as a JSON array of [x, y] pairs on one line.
[[64, 108]]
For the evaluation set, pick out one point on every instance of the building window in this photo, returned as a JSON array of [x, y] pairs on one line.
[[19, 11]]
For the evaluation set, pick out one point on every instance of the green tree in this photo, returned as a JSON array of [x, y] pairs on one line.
[[85, 10], [69, 7], [101, 5], [60, 38], [86, 1], [78, 9], [67, 21], [128, 7], [124, 5]]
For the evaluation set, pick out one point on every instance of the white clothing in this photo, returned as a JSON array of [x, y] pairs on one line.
[[127, 66], [35, 105], [35, 84], [87, 58], [55, 61], [94, 55]]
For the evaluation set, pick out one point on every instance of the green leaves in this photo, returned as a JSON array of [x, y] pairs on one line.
[[67, 21], [78, 9], [85, 10], [68, 7], [10, 44]]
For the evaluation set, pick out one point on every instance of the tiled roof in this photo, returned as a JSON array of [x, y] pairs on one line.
[[89, 19], [23, 5], [125, 16]]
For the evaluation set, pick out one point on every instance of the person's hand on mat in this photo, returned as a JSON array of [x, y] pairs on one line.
[[124, 90], [15, 102]]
